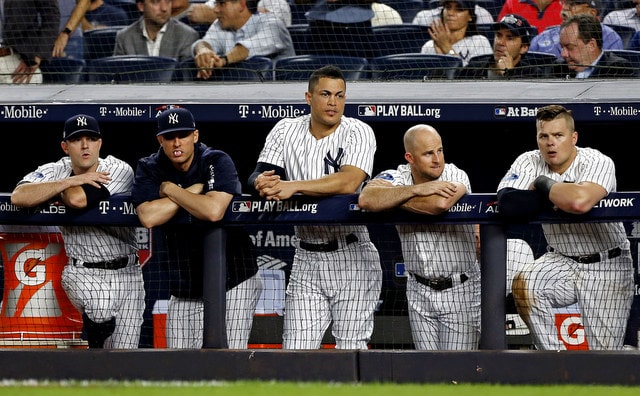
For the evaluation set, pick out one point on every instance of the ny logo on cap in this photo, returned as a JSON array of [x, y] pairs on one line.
[[82, 121], [173, 119]]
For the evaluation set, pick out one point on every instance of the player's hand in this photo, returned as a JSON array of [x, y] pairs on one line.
[[96, 179], [441, 188], [267, 184]]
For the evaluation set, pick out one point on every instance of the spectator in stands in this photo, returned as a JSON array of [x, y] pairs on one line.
[[69, 42], [240, 32], [510, 47], [426, 17], [540, 13], [582, 54], [384, 14], [205, 12], [549, 40], [443, 288], [336, 275], [627, 17], [26, 41], [103, 278], [455, 32], [156, 33], [187, 178], [102, 14], [588, 263]]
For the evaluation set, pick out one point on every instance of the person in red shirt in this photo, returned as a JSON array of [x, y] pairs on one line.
[[540, 13]]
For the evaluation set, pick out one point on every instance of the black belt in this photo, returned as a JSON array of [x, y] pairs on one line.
[[440, 283], [330, 246], [595, 257], [110, 265]]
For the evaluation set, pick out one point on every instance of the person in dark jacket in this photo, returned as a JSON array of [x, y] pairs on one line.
[[510, 47], [582, 54]]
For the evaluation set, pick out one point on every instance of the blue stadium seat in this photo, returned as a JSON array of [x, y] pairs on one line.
[[634, 43], [399, 39], [415, 67], [130, 68], [631, 56], [625, 32], [99, 43], [300, 37], [62, 71], [299, 68], [346, 39], [258, 68], [406, 8]]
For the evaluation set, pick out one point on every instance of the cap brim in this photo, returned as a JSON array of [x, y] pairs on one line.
[[83, 132], [174, 130]]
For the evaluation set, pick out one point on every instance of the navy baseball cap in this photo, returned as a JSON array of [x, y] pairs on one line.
[[464, 4], [81, 125], [175, 120], [516, 24]]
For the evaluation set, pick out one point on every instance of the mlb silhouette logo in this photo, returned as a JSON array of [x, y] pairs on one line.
[[241, 206], [500, 112], [368, 110]]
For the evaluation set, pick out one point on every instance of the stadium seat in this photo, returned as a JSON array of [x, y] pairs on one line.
[[631, 56], [406, 8], [634, 43], [543, 60], [258, 68], [62, 71], [130, 68], [346, 39], [625, 32], [99, 43], [399, 39], [298, 68], [300, 37], [415, 67]]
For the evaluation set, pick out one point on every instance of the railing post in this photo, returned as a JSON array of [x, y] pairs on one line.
[[214, 290], [493, 266]]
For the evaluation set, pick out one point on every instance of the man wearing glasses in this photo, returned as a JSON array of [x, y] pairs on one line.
[[549, 40], [239, 33]]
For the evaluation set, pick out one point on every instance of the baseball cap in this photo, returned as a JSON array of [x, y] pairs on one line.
[[591, 3], [516, 24], [175, 120], [81, 124], [464, 4]]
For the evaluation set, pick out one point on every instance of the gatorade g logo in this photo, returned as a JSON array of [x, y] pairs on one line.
[[571, 331], [29, 267]]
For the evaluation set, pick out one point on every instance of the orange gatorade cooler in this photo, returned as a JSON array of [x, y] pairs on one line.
[[35, 309]]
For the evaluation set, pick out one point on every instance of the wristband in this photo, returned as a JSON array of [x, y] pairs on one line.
[[543, 184], [67, 31], [226, 60]]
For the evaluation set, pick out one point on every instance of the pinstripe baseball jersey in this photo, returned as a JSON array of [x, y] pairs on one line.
[[291, 146], [433, 250], [88, 243], [590, 165]]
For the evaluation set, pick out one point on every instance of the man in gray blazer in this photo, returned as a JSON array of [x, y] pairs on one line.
[[156, 33]]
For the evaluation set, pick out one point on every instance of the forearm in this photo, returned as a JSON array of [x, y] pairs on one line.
[[378, 198], [157, 212], [33, 194], [208, 207]]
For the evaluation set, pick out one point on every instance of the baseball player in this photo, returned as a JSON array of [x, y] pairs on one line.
[[587, 263], [336, 274], [443, 288], [103, 278], [186, 175]]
